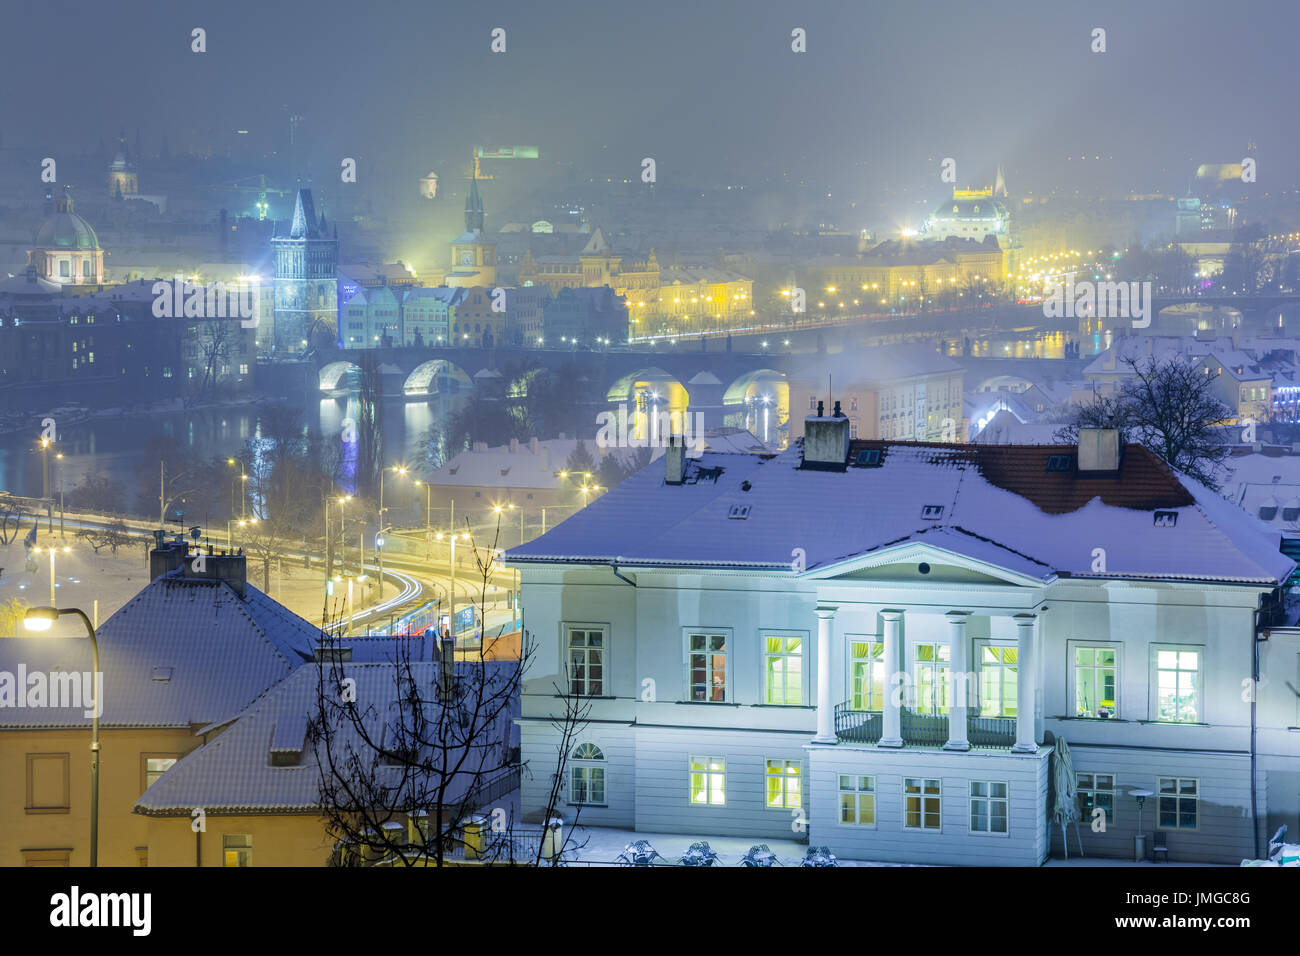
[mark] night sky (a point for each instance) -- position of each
(711, 90)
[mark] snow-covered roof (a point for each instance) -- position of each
(182, 652)
(985, 502)
(235, 772)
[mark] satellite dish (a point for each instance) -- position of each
(195, 533)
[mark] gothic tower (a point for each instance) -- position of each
(306, 281)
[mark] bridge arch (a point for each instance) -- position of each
(433, 376)
(651, 397)
(336, 376)
(759, 402)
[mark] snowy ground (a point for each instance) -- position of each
(601, 845)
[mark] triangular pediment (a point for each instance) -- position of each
(926, 563)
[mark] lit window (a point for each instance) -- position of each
(997, 681)
(783, 784)
(858, 801)
(932, 678)
(587, 775)
(1178, 682)
(1096, 679)
(709, 781)
(866, 675)
(237, 850)
(921, 804)
(1178, 806)
(988, 807)
(706, 667)
(783, 670)
(586, 662)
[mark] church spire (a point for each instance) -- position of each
(473, 208)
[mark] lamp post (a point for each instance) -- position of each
(451, 598)
(45, 477)
(59, 464)
(53, 551)
(41, 619)
(1140, 840)
(379, 538)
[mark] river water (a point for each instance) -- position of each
(117, 447)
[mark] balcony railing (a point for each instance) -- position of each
(923, 730)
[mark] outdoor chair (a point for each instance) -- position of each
(1160, 846)
(760, 854)
(699, 854)
(819, 856)
(638, 853)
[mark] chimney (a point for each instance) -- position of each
(532, 444)
(230, 568)
(826, 440)
(675, 460)
(165, 555)
(514, 446)
(1099, 452)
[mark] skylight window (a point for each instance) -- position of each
(868, 457)
(932, 512)
(1166, 519)
(738, 512)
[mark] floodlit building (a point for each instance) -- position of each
(876, 642)
(66, 250)
(306, 280)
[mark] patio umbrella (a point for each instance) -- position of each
(1066, 809)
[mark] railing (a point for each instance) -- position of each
(991, 733)
(924, 730)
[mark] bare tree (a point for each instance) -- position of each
(113, 536)
(11, 519)
(1170, 407)
(403, 772)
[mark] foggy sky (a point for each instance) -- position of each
(709, 89)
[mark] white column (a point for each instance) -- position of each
(825, 705)
(892, 725)
(1026, 682)
(958, 673)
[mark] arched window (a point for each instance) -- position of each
(587, 775)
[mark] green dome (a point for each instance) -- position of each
(970, 209)
(66, 230)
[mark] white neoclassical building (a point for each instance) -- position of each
(873, 643)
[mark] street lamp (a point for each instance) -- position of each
(379, 540)
(45, 476)
(42, 619)
(451, 598)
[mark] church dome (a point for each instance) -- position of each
(66, 230)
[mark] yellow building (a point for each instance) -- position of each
(654, 295)
(186, 653)
(260, 781)
(899, 274)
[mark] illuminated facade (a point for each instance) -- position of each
(970, 214)
(66, 249)
(653, 294)
(306, 281)
(473, 256)
(899, 274)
